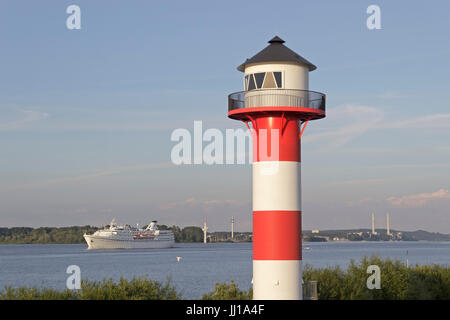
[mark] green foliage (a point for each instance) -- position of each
(355, 237)
(192, 234)
(187, 234)
(44, 235)
(176, 233)
(33, 293)
(224, 291)
(314, 239)
(135, 289)
(397, 281)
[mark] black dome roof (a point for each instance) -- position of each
(277, 51)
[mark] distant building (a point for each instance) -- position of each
(315, 231)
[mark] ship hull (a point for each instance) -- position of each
(98, 243)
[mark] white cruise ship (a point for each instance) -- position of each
(127, 237)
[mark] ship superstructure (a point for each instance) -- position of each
(127, 237)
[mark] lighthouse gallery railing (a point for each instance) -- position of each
(276, 98)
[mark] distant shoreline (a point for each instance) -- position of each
(194, 234)
(225, 242)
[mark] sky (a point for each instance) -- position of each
(86, 115)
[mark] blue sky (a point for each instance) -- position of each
(86, 115)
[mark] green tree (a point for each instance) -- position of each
(192, 234)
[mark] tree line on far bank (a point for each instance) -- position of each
(44, 235)
(74, 235)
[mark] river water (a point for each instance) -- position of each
(199, 268)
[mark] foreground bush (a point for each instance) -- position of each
(397, 281)
(224, 291)
(135, 289)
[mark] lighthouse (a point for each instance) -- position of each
(276, 105)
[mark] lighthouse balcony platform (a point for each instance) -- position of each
(304, 104)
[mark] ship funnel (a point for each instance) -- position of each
(113, 224)
(152, 226)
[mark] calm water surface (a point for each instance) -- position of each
(200, 267)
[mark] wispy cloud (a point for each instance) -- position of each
(203, 204)
(409, 166)
(91, 175)
(361, 181)
(346, 123)
(441, 120)
(355, 203)
(392, 95)
(418, 200)
(27, 117)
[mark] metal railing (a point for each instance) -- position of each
(276, 98)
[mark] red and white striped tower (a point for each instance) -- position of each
(276, 102)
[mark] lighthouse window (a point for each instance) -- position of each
(263, 80)
(269, 81)
(251, 83)
(278, 79)
(259, 78)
